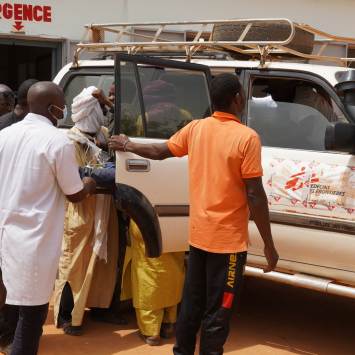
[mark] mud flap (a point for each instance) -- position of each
(132, 202)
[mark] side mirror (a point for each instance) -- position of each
(340, 137)
(345, 89)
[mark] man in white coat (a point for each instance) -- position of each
(38, 171)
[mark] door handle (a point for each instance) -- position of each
(137, 165)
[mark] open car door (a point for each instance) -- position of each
(154, 99)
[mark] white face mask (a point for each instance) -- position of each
(60, 121)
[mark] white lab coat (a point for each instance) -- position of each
(37, 169)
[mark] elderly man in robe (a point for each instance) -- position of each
(88, 267)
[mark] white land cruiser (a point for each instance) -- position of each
(309, 169)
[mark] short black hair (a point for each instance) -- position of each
(23, 90)
(223, 89)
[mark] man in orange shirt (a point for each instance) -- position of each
(225, 186)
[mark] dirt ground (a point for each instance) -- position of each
(272, 319)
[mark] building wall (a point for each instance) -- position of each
(68, 17)
(326, 15)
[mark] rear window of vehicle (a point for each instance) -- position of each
(80, 82)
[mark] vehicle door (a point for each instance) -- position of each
(154, 99)
(310, 191)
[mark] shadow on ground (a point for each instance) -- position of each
(272, 319)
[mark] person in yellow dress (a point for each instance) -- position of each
(155, 284)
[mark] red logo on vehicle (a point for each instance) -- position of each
(312, 205)
(277, 199)
(331, 208)
(350, 211)
(294, 201)
(296, 184)
(269, 182)
(352, 168)
(304, 203)
(298, 162)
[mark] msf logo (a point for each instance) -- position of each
(296, 183)
(231, 271)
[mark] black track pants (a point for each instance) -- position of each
(211, 293)
(9, 315)
(29, 329)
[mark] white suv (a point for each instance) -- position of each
(311, 190)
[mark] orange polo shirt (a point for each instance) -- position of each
(222, 152)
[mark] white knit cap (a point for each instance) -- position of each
(87, 113)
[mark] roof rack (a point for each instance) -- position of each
(171, 55)
(255, 50)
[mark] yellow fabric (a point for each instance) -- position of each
(92, 281)
(153, 283)
(184, 115)
(149, 322)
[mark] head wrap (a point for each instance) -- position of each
(159, 91)
(87, 113)
(163, 114)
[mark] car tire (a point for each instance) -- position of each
(303, 41)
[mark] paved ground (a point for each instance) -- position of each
(272, 319)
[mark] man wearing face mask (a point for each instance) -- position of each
(42, 162)
(88, 267)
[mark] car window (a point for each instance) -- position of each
(291, 113)
(130, 105)
(172, 98)
(338, 112)
(78, 83)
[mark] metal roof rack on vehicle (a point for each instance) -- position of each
(239, 47)
(172, 55)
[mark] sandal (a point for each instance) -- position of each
(111, 317)
(6, 349)
(70, 329)
(148, 339)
